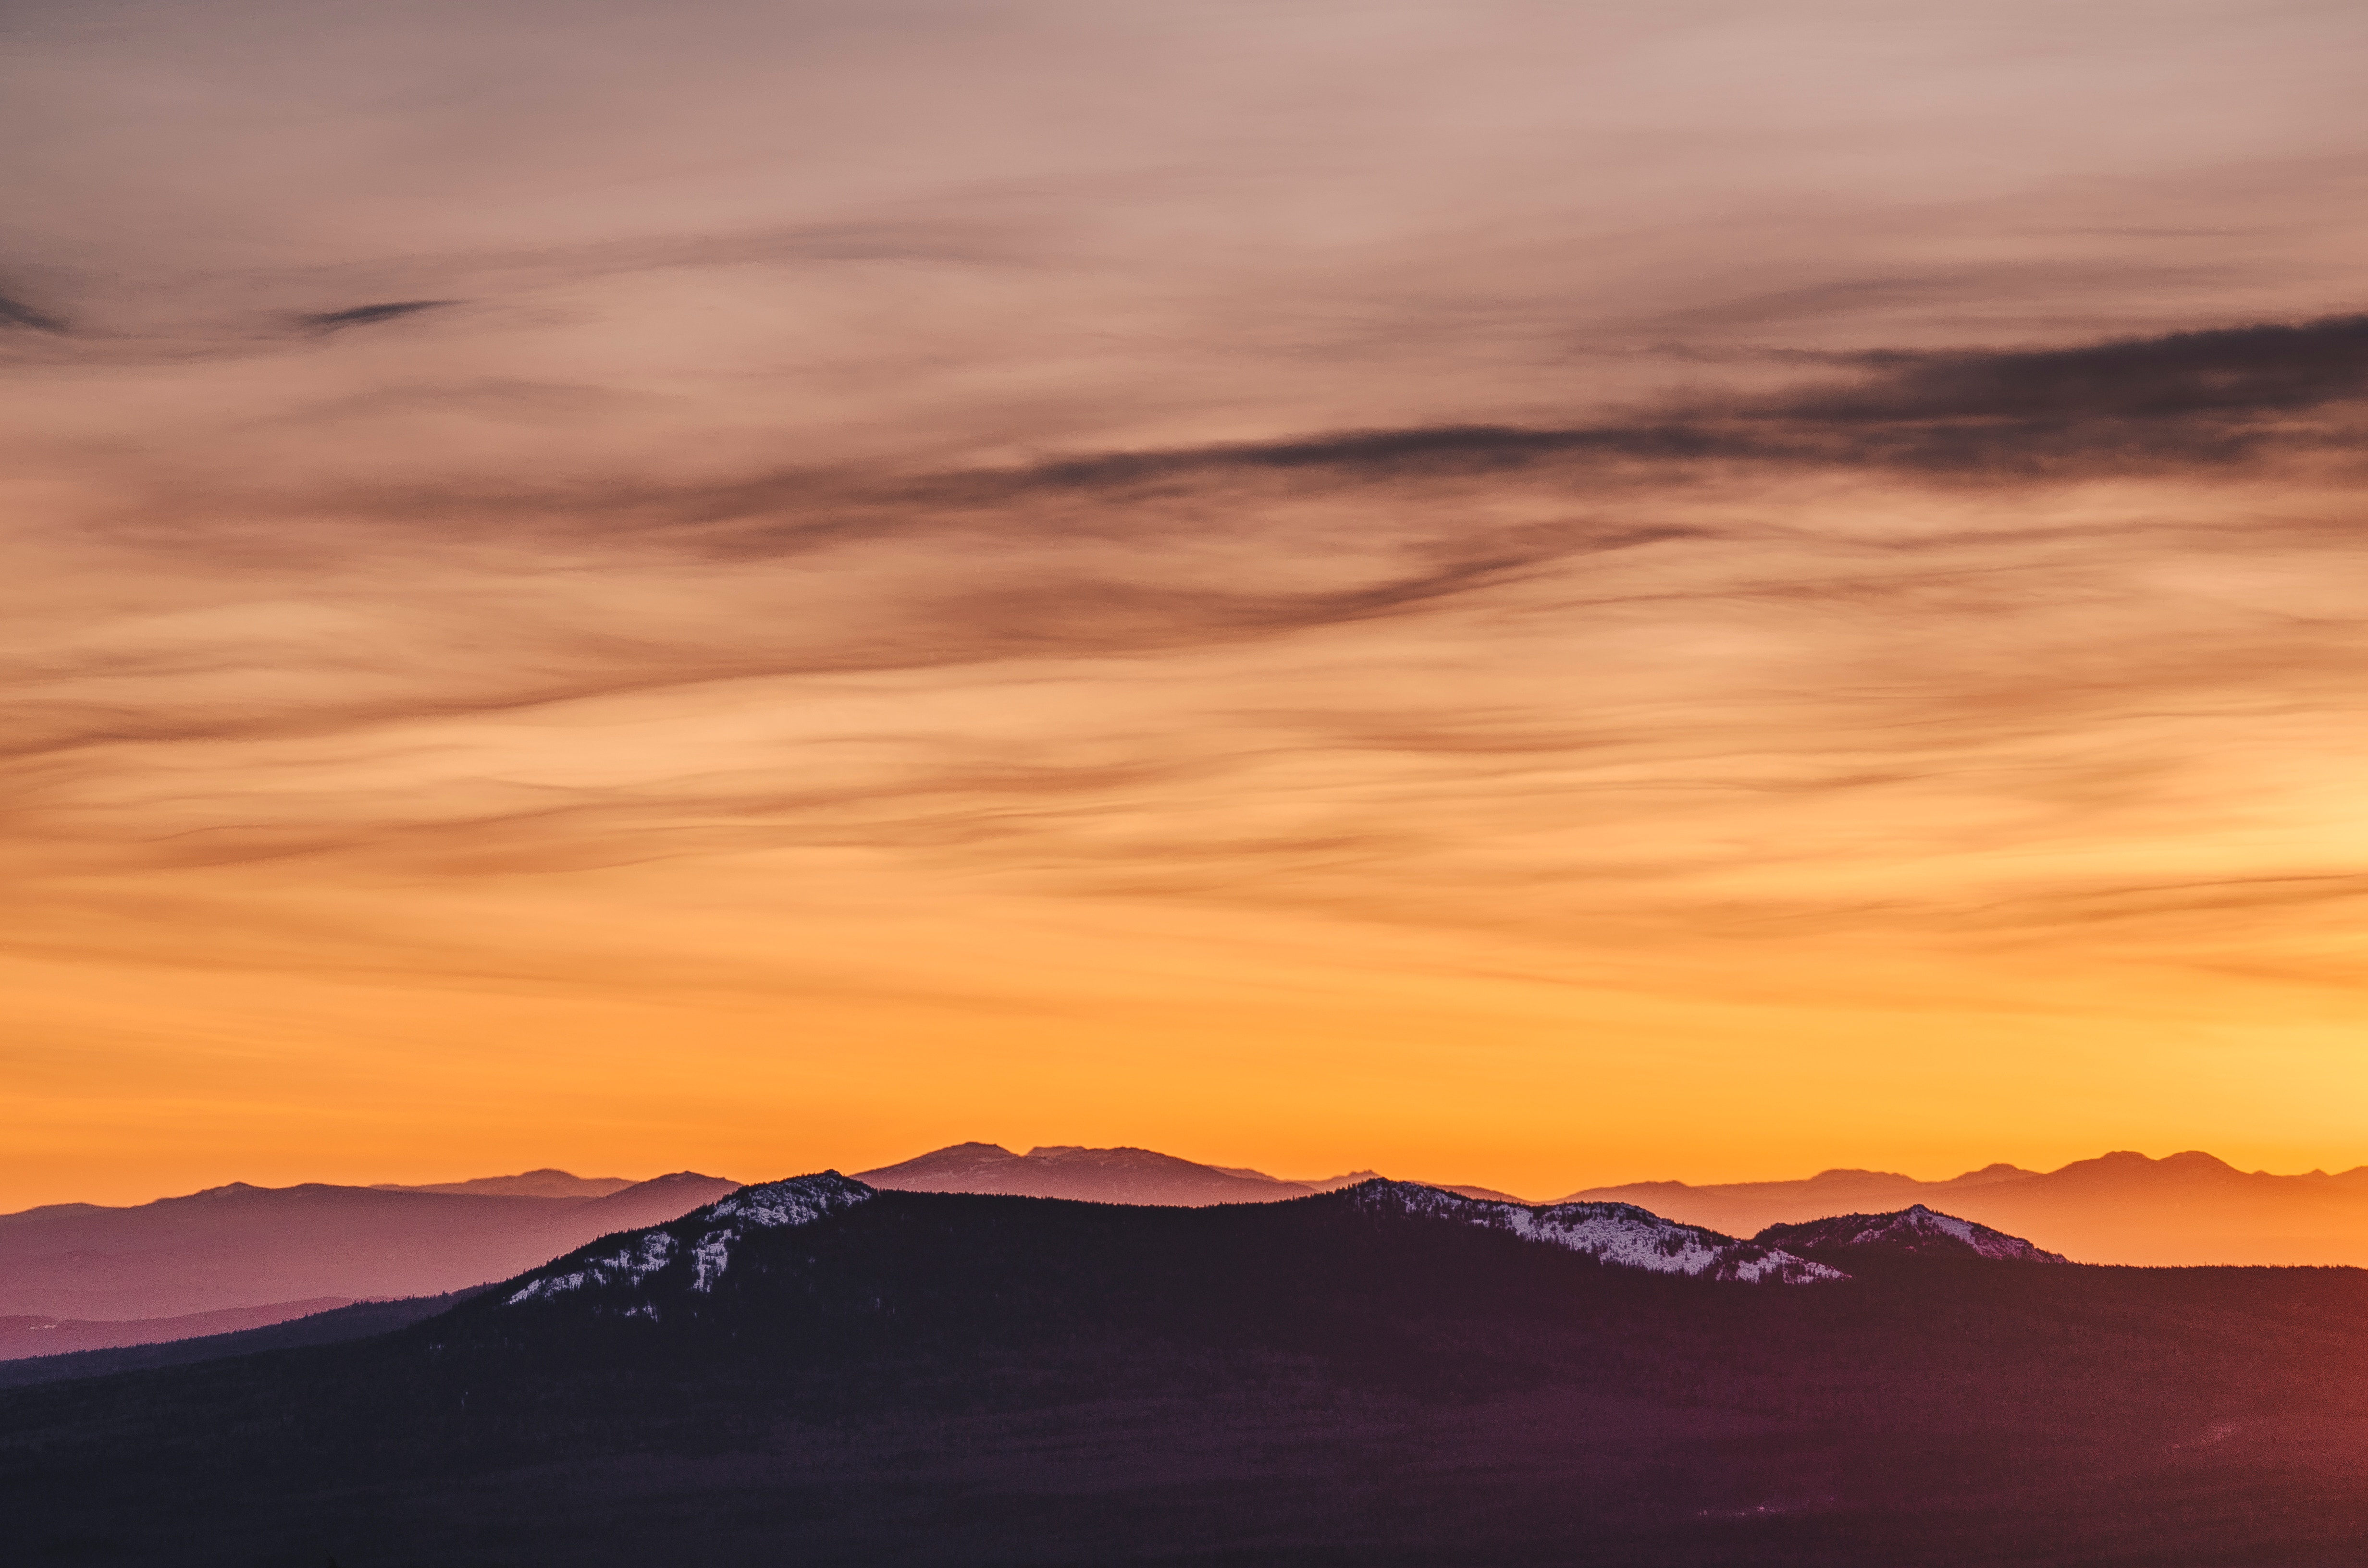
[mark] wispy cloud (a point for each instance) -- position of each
(326, 321)
(16, 313)
(1092, 512)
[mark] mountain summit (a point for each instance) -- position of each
(1088, 1176)
(1916, 1229)
(1110, 1175)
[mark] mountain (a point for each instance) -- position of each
(1616, 1234)
(667, 1269)
(2183, 1209)
(526, 1184)
(41, 1334)
(1745, 1208)
(1914, 1231)
(1106, 1175)
(1380, 1375)
(240, 1245)
(1092, 1176)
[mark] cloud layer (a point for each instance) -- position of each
(1025, 546)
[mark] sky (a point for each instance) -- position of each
(1541, 595)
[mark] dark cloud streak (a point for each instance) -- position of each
(16, 313)
(327, 321)
(2189, 398)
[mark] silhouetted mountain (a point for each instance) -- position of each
(360, 1320)
(2183, 1209)
(1488, 1193)
(1615, 1233)
(1915, 1230)
(1743, 1207)
(239, 1245)
(813, 1371)
(1092, 1175)
(2125, 1207)
(1109, 1175)
(543, 1183)
(670, 1269)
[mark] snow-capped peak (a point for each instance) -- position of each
(705, 1237)
(1915, 1229)
(1617, 1233)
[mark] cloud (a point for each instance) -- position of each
(2232, 373)
(2184, 399)
(1751, 666)
(370, 315)
(18, 314)
(2222, 399)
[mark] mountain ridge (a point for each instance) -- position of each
(1345, 1380)
(237, 1245)
(697, 1251)
(546, 1182)
(2186, 1209)
(1913, 1230)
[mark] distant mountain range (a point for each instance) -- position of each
(1782, 1199)
(240, 1246)
(2188, 1208)
(2120, 1208)
(1383, 1373)
(82, 1275)
(545, 1182)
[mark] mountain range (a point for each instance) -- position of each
(242, 1246)
(1109, 1175)
(819, 1371)
(543, 1183)
(85, 1276)
(2186, 1209)
(2120, 1208)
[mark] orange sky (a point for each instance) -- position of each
(847, 620)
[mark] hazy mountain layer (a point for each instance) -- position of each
(1111, 1176)
(543, 1183)
(2183, 1209)
(240, 1245)
(1094, 1175)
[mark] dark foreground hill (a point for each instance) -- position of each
(921, 1378)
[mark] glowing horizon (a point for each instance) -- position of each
(1528, 595)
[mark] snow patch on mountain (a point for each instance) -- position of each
(1618, 1234)
(1915, 1229)
(638, 1257)
(707, 1236)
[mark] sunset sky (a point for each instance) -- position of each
(1536, 594)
